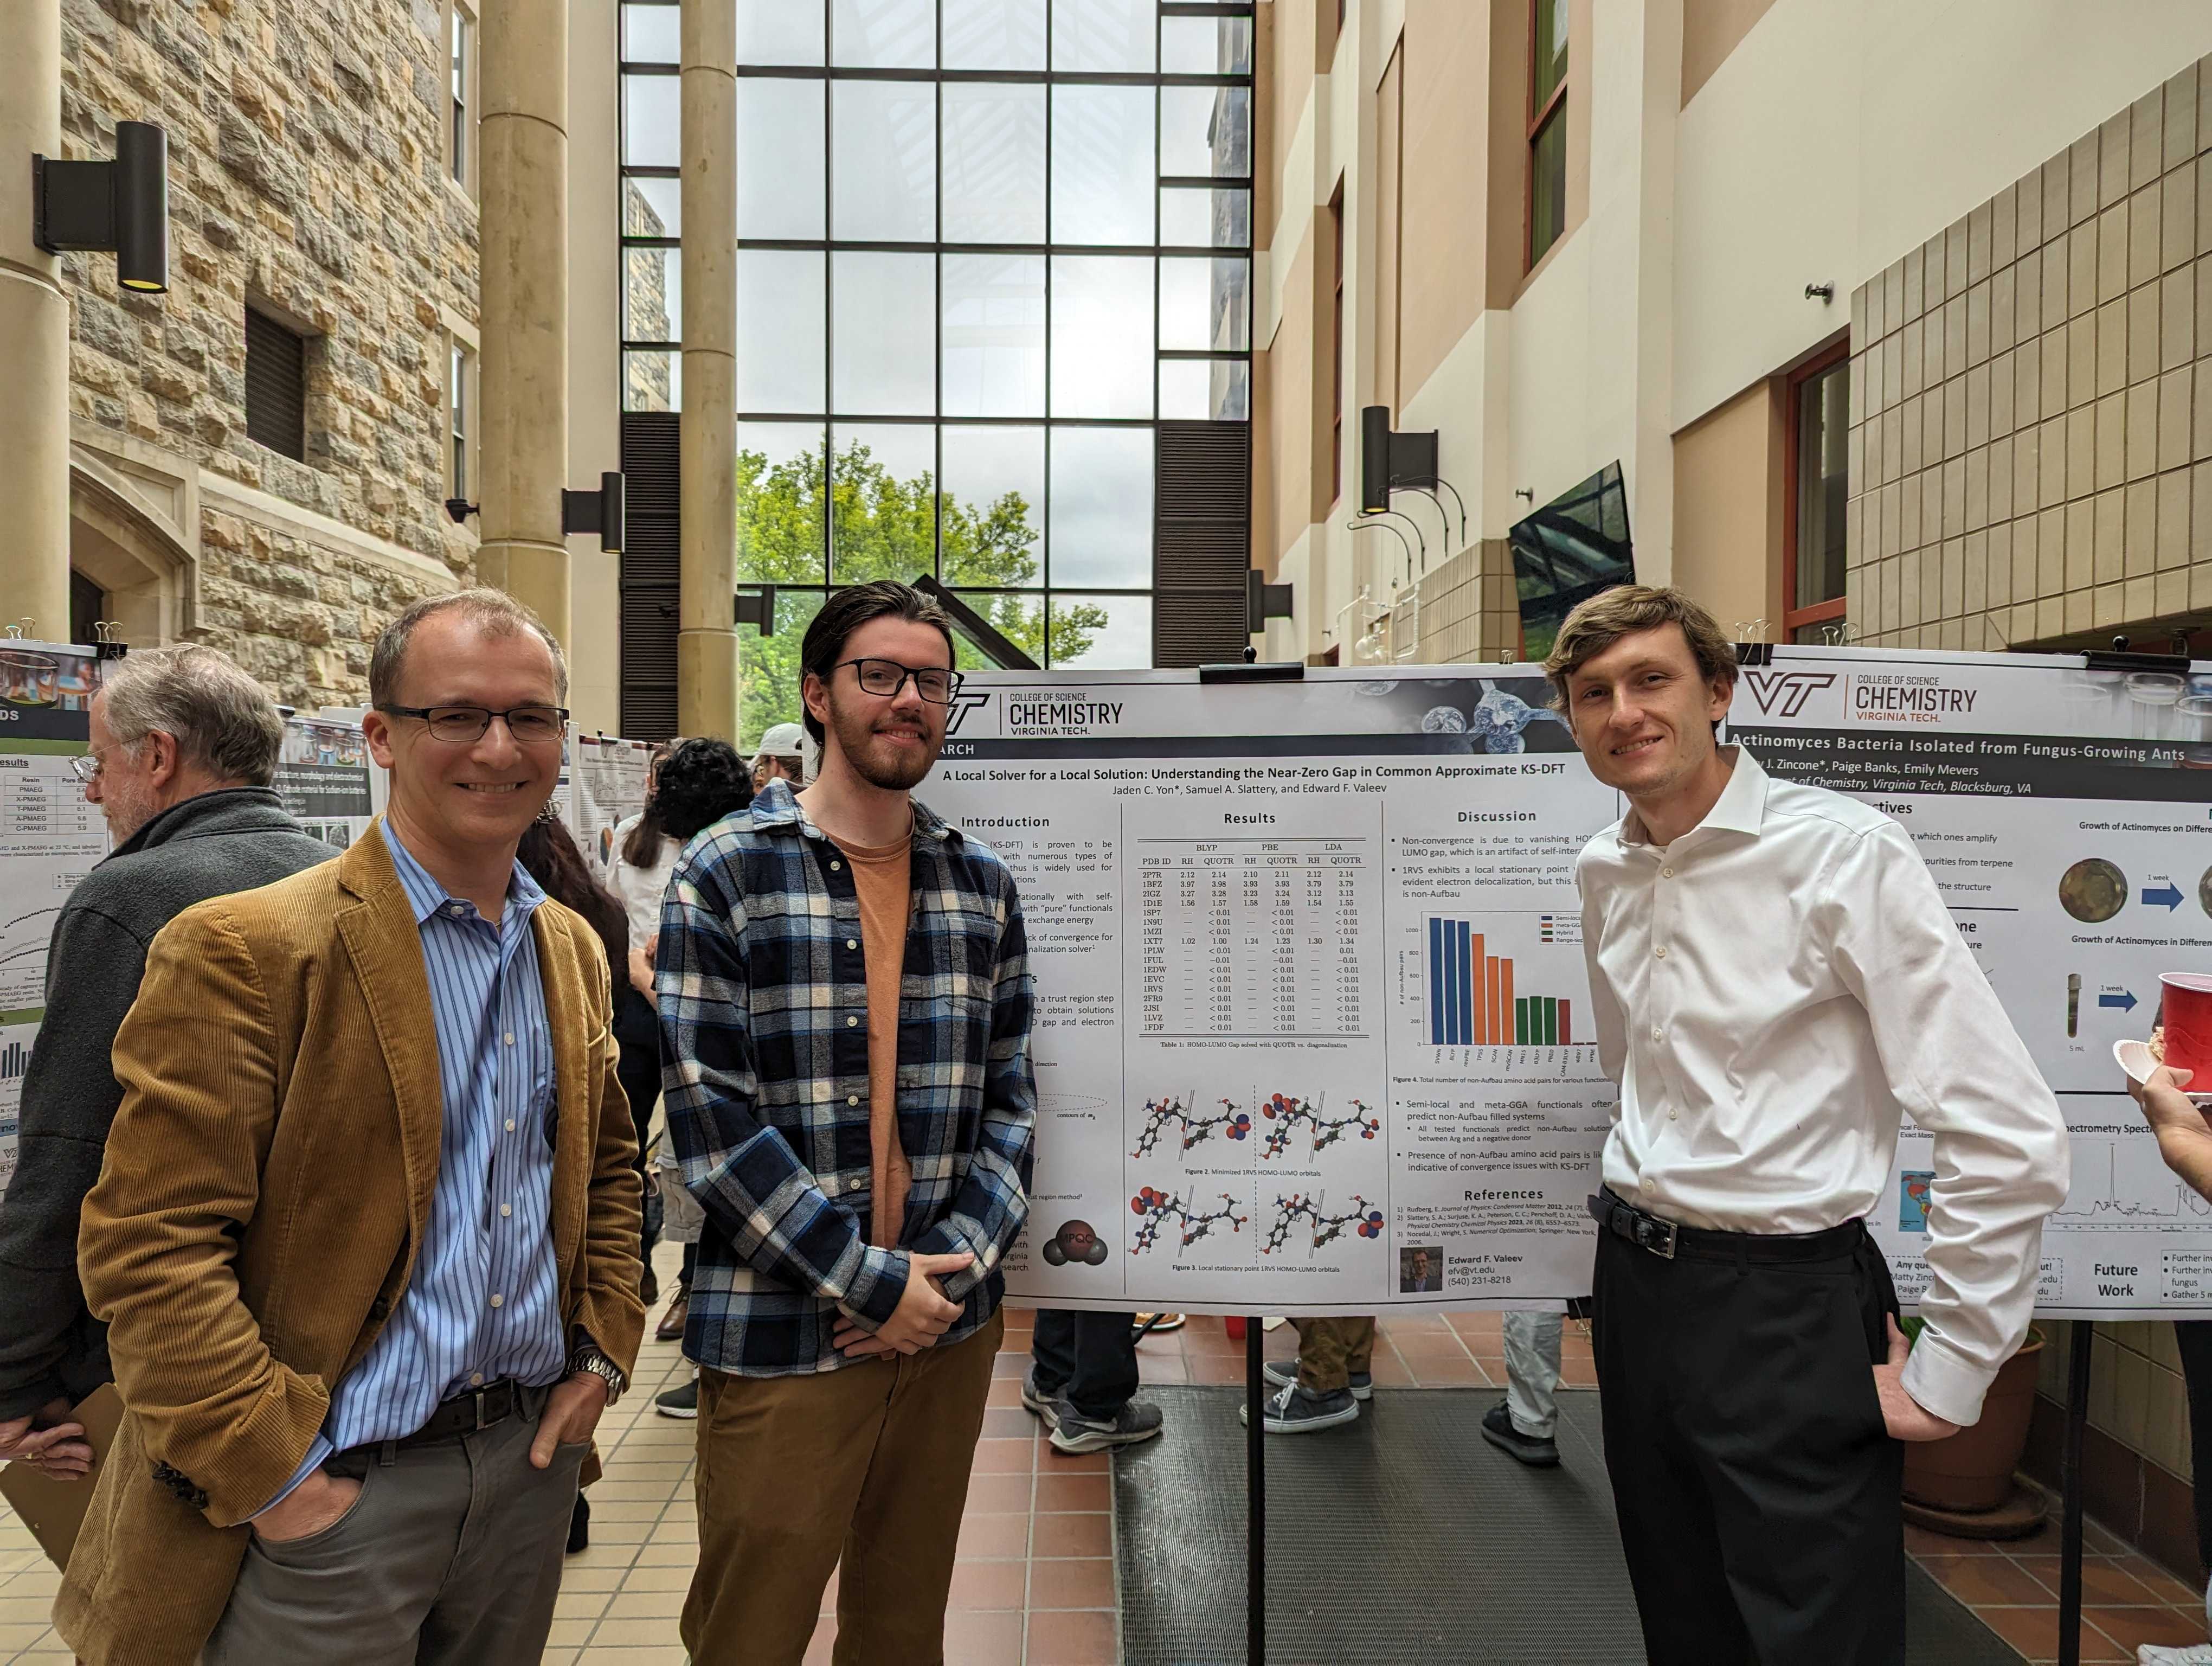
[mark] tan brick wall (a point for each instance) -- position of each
(2031, 453)
(1468, 610)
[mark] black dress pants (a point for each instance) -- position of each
(1088, 1360)
(1756, 1485)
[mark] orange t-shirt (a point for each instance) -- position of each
(884, 878)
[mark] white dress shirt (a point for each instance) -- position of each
(1769, 991)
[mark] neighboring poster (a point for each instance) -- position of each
(50, 838)
(2066, 815)
(323, 776)
(607, 784)
(1312, 1029)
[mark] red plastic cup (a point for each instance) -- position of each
(2189, 1023)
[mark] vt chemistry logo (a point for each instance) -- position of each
(962, 705)
(1783, 693)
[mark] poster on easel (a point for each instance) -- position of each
(606, 786)
(50, 838)
(323, 777)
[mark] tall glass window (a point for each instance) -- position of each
(985, 248)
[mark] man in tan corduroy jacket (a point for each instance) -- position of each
(273, 1203)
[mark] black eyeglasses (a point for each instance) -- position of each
(531, 726)
(887, 677)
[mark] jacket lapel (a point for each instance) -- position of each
(579, 1033)
(386, 946)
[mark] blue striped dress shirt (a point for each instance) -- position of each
(483, 1301)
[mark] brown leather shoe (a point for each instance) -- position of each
(671, 1327)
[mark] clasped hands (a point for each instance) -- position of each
(47, 1441)
(924, 1313)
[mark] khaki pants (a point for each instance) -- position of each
(867, 1465)
(1330, 1350)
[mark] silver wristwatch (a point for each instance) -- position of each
(587, 1358)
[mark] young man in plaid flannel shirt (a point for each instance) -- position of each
(845, 1001)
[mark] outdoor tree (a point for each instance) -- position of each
(883, 531)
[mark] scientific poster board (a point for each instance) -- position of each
(50, 838)
(606, 784)
(323, 776)
(1312, 1032)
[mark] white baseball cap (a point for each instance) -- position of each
(782, 741)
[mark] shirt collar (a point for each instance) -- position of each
(776, 808)
(1740, 808)
(427, 897)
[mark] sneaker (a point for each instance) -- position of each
(1044, 1405)
(1073, 1433)
(1498, 1429)
(1292, 1410)
(679, 1402)
(1283, 1372)
(2161, 1654)
(1152, 1323)
(671, 1327)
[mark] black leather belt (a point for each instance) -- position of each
(1668, 1239)
(464, 1413)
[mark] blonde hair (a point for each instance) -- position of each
(1605, 617)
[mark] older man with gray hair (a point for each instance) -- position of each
(184, 745)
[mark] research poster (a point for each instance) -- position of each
(323, 777)
(1312, 1032)
(2066, 814)
(50, 838)
(606, 783)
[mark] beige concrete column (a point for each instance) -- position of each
(34, 327)
(522, 176)
(706, 637)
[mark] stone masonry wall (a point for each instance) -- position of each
(306, 169)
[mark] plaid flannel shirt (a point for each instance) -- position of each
(764, 1047)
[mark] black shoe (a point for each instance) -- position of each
(1073, 1433)
(1498, 1429)
(1292, 1410)
(580, 1525)
(1283, 1372)
(679, 1402)
(649, 1286)
(1036, 1399)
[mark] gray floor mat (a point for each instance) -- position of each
(1405, 1538)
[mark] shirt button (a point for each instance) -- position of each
(852, 1098)
(1657, 1034)
(851, 944)
(505, 1210)
(1661, 951)
(509, 1038)
(510, 1125)
(457, 910)
(1666, 872)
(1673, 1115)
(475, 1379)
(497, 1300)
(855, 1183)
(849, 1022)
(836, 868)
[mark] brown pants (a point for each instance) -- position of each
(867, 1464)
(1330, 1350)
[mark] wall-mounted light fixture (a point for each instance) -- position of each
(1823, 293)
(1401, 462)
(458, 509)
(757, 607)
(603, 511)
(1263, 601)
(122, 205)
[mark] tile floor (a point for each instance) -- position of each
(1034, 1584)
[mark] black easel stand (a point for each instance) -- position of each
(2069, 1541)
(1255, 1494)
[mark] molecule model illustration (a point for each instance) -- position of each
(1155, 1208)
(1287, 1112)
(1363, 1218)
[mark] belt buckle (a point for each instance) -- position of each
(1655, 1236)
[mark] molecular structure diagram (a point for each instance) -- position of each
(1286, 1113)
(1363, 1218)
(1499, 718)
(1158, 1113)
(1158, 1208)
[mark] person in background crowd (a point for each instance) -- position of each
(183, 747)
(782, 756)
(366, 1236)
(1324, 1385)
(1775, 981)
(1082, 1381)
(637, 873)
(846, 1001)
(1525, 1422)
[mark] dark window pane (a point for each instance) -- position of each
(652, 207)
(1196, 218)
(781, 528)
(883, 502)
(1551, 49)
(780, 322)
(883, 35)
(1828, 633)
(993, 506)
(767, 667)
(1547, 192)
(652, 381)
(994, 335)
(1205, 390)
(1102, 165)
(1205, 46)
(276, 385)
(994, 183)
(1101, 336)
(885, 145)
(1102, 507)
(1205, 306)
(1020, 619)
(1112, 36)
(650, 120)
(994, 34)
(650, 35)
(779, 31)
(780, 177)
(1205, 131)
(884, 316)
(653, 295)
(1823, 411)
(1103, 633)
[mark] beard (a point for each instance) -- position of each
(875, 763)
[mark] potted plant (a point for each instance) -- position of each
(1970, 1475)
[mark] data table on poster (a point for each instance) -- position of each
(1251, 938)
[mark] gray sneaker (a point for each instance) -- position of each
(1044, 1405)
(1283, 1372)
(1538, 1452)
(1292, 1411)
(1074, 1432)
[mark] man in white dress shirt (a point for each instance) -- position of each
(1774, 980)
